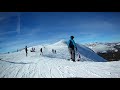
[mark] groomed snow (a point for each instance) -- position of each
(17, 65)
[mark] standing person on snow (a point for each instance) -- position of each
(71, 47)
(55, 51)
(26, 50)
(52, 50)
(41, 53)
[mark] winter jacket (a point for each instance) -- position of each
(72, 42)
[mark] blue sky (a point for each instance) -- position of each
(33, 28)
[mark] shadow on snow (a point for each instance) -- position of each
(16, 62)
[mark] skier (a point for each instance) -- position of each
(71, 47)
(26, 50)
(41, 53)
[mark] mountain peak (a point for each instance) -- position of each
(61, 42)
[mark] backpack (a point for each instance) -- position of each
(71, 44)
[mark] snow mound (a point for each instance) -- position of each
(89, 53)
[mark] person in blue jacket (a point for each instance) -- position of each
(71, 47)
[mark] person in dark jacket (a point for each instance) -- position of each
(41, 52)
(55, 51)
(26, 50)
(71, 47)
(52, 50)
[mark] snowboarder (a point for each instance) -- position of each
(26, 50)
(71, 47)
(41, 53)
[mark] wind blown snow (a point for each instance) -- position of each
(50, 65)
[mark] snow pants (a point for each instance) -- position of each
(72, 53)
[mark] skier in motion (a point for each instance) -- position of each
(71, 47)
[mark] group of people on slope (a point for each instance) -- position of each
(71, 47)
(33, 50)
(41, 51)
(53, 51)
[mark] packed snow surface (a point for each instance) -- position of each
(50, 65)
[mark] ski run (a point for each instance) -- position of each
(51, 65)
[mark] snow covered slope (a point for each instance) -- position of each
(86, 53)
(17, 65)
(89, 54)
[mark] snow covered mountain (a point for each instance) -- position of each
(62, 52)
(52, 65)
(103, 47)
